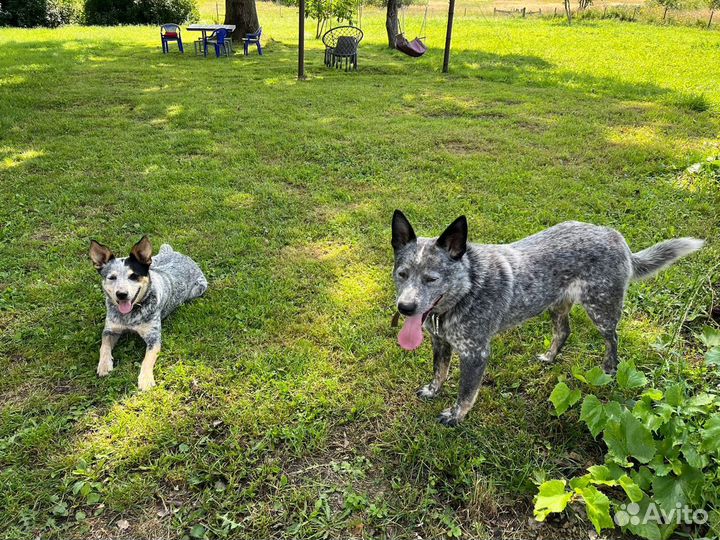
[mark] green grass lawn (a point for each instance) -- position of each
(284, 407)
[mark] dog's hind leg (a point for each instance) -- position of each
(442, 351)
(605, 310)
(559, 314)
(472, 367)
(105, 365)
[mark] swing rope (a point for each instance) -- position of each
(401, 29)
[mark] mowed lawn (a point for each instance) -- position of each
(284, 406)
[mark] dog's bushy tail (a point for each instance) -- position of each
(649, 261)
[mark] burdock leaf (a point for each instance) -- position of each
(551, 497)
(593, 414)
(563, 398)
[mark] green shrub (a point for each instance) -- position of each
(107, 12)
(663, 453)
(30, 13)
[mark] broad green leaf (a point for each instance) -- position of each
(645, 528)
(675, 395)
(580, 481)
(596, 377)
(710, 337)
(671, 490)
(579, 374)
(712, 356)
(600, 475)
(711, 434)
(563, 398)
(643, 477)
(613, 410)
(649, 530)
(693, 457)
(597, 506)
(660, 466)
(600, 472)
(629, 377)
(643, 411)
(593, 414)
(627, 437)
(632, 490)
(551, 498)
(653, 393)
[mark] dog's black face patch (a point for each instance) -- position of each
(136, 266)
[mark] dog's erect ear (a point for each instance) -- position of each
(454, 239)
(142, 251)
(402, 231)
(99, 254)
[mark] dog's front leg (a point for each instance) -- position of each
(146, 379)
(472, 367)
(109, 339)
(442, 351)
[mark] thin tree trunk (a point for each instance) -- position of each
(391, 22)
(712, 12)
(243, 14)
(665, 13)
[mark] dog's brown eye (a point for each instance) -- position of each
(112, 278)
(133, 276)
(403, 274)
(429, 279)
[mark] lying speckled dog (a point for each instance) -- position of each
(140, 291)
(463, 293)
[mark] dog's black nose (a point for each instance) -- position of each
(407, 308)
(121, 295)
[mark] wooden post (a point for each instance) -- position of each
(448, 36)
(301, 41)
(523, 13)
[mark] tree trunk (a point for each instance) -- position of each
(391, 22)
(665, 13)
(712, 12)
(243, 15)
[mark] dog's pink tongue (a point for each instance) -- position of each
(411, 335)
(125, 307)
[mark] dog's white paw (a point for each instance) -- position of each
(450, 417)
(545, 358)
(105, 366)
(427, 392)
(146, 381)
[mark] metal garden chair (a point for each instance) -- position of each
(341, 43)
(168, 34)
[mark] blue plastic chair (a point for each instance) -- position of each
(253, 39)
(219, 39)
(169, 33)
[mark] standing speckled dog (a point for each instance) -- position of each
(463, 294)
(140, 291)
